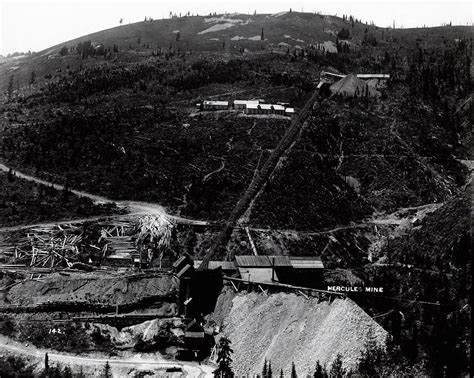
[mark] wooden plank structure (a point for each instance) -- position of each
(120, 248)
(241, 284)
(221, 240)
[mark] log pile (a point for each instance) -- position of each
(119, 245)
(154, 233)
(6, 249)
(48, 247)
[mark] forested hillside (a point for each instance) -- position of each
(428, 271)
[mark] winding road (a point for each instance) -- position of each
(135, 362)
(133, 207)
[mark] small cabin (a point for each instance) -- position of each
(294, 270)
(215, 105)
(265, 269)
(194, 337)
(242, 104)
(227, 267)
(289, 111)
(265, 109)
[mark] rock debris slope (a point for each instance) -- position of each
(90, 288)
(286, 328)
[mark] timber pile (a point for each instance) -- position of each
(119, 243)
(48, 247)
(154, 233)
(6, 249)
(155, 229)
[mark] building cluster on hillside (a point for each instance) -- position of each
(248, 106)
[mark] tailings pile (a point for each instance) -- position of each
(285, 328)
(91, 288)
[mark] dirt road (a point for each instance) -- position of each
(134, 363)
(133, 207)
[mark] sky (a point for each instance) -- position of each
(38, 24)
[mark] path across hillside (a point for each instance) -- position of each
(133, 207)
(192, 369)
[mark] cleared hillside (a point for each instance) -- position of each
(23, 202)
(224, 35)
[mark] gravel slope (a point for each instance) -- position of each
(286, 328)
(93, 288)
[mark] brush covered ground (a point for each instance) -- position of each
(137, 124)
(24, 202)
(426, 275)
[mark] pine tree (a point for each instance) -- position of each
(67, 372)
(336, 370)
(81, 373)
(318, 372)
(56, 372)
(11, 178)
(65, 192)
(224, 359)
(281, 373)
(293, 371)
(46, 362)
(107, 370)
(10, 87)
(264, 370)
(269, 371)
(262, 37)
(33, 78)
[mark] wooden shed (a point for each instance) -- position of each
(265, 109)
(215, 105)
(300, 270)
(194, 337)
(264, 269)
(228, 267)
(242, 104)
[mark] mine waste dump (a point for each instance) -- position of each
(92, 290)
(285, 328)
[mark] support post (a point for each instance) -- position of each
(273, 269)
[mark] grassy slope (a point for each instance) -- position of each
(303, 29)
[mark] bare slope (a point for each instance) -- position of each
(223, 34)
(286, 328)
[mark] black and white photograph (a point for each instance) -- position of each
(236, 189)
